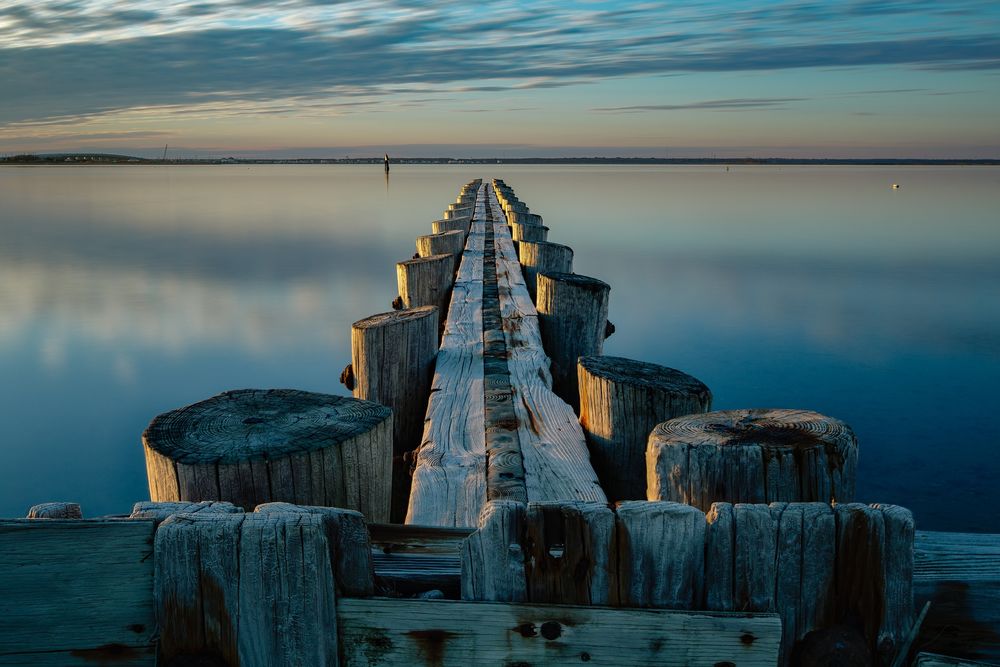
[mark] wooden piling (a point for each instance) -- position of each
(621, 401)
(543, 257)
(426, 281)
(55, 511)
(522, 218)
(392, 357)
(459, 212)
(573, 316)
(254, 446)
(446, 243)
(524, 232)
(751, 456)
(453, 224)
(246, 589)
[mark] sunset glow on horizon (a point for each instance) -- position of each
(303, 78)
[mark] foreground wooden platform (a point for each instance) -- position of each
(86, 591)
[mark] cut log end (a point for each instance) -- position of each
(248, 424)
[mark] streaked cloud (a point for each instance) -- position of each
(724, 105)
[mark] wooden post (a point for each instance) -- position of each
(392, 357)
(246, 589)
(55, 511)
(661, 555)
(459, 212)
(534, 233)
(621, 401)
(751, 456)
(569, 553)
(454, 224)
(875, 573)
(493, 556)
(446, 243)
(543, 257)
(426, 281)
(573, 316)
(253, 446)
(161, 511)
(522, 218)
(350, 545)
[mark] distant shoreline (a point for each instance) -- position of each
(71, 159)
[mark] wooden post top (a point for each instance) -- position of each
(765, 428)
(251, 424)
(395, 316)
(577, 280)
(641, 373)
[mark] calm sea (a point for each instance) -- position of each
(128, 291)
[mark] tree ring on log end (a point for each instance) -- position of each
(752, 456)
(252, 424)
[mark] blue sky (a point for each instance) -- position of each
(865, 78)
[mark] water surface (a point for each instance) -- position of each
(127, 291)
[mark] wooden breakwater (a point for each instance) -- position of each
(734, 538)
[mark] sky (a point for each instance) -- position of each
(315, 78)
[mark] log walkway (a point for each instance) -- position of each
(494, 430)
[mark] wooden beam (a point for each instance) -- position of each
(445, 632)
(449, 479)
(960, 574)
(76, 592)
(556, 460)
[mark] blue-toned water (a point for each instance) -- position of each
(127, 291)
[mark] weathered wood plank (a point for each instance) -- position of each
(445, 633)
(960, 574)
(410, 560)
(556, 461)
(77, 586)
(112, 654)
(449, 478)
(934, 660)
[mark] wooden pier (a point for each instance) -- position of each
(480, 401)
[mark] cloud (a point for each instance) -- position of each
(727, 105)
(60, 59)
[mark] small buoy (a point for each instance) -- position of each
(895, 186)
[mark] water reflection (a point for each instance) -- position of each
(125, 292)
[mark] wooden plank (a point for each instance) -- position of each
(112, 654)
(410, 560)
(445, 633)
(449, 479)
(553, 447)
(935, 660)
(77, 586)
(960, 574)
